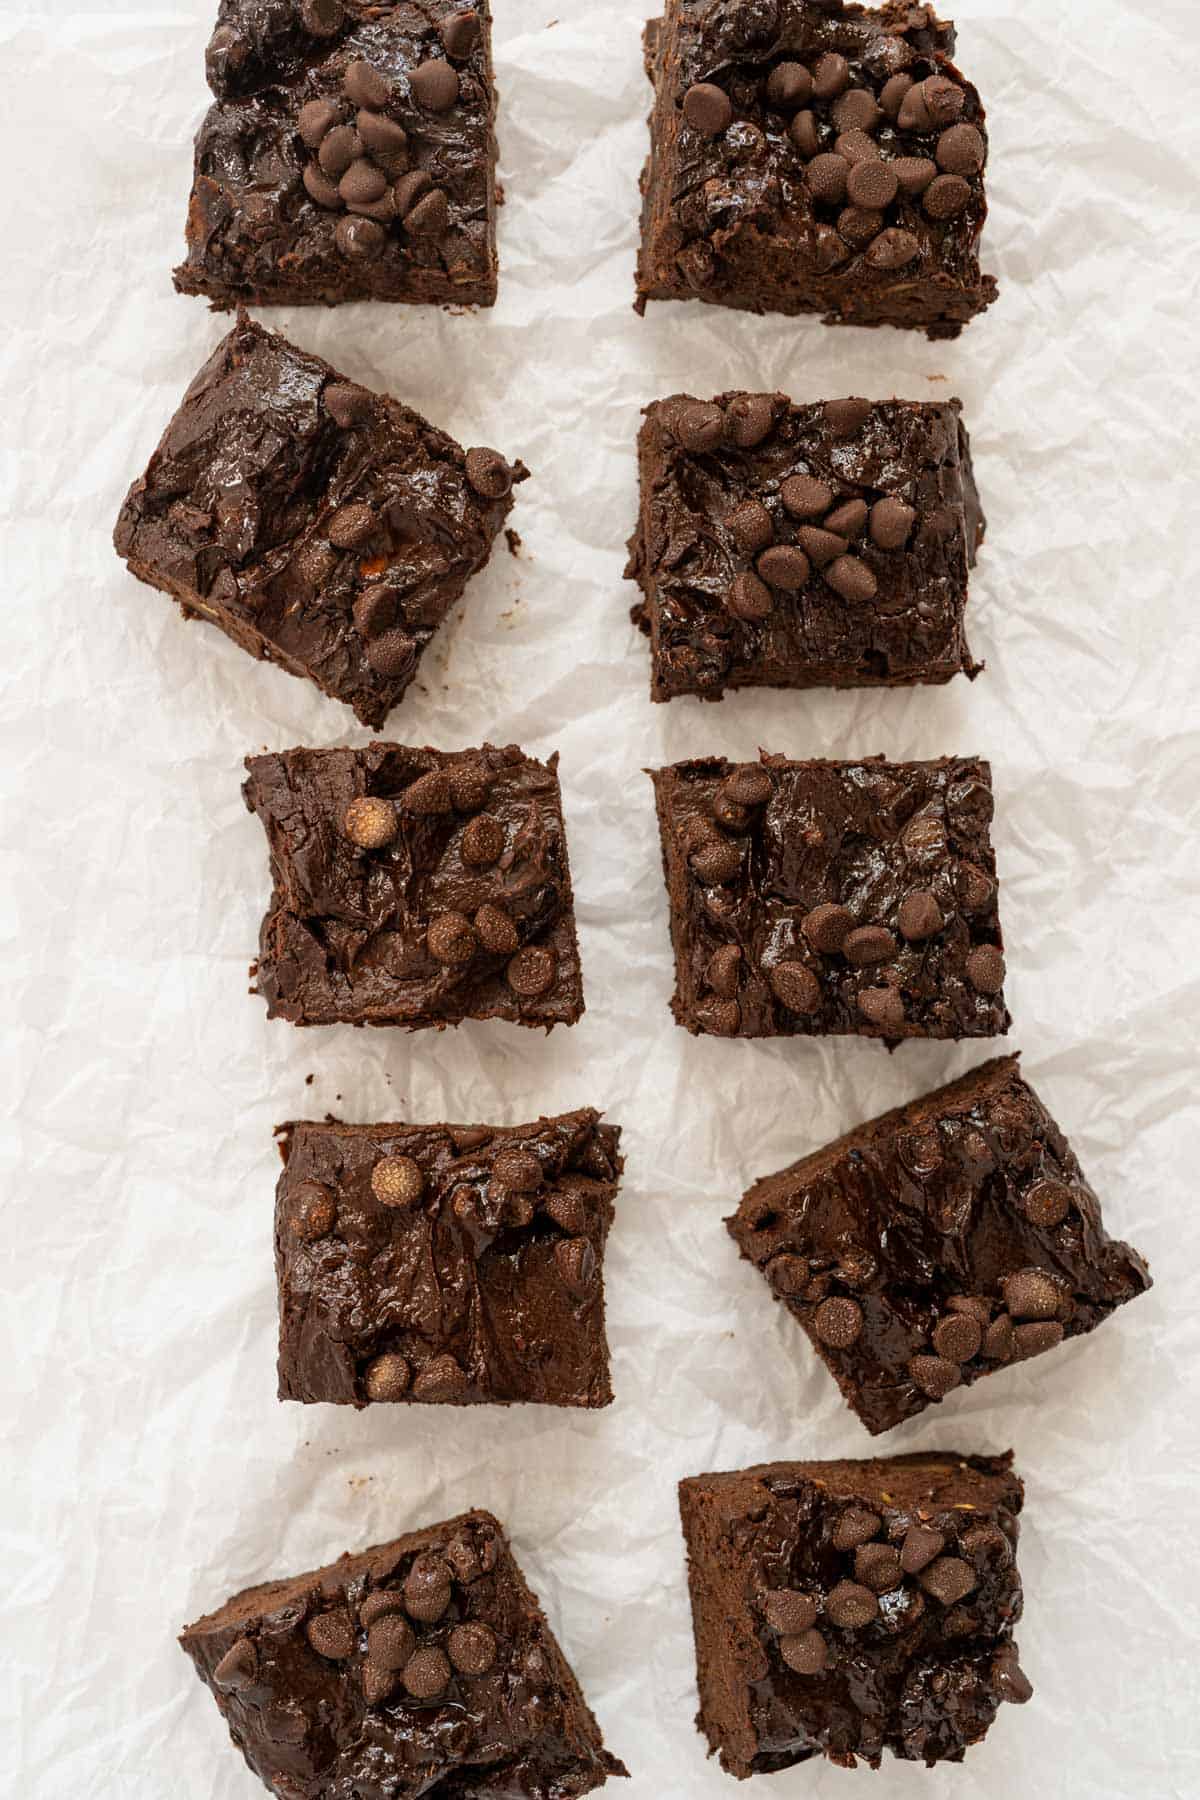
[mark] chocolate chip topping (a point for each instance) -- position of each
(1009, 1680)
(707, 109)
(872, 184)
(914, 173)
(427, 1588)
(488, 472)
(496, 931)
(785, 567)
(700, 427)
(531, 971)
(882, 1007)
(985, 969)
(322, 18)
(946, 196)
(451, 939)
(238, 1667)
(852, 579)
(957, 1338)
(1046, 1203)
(795, 987)
(383, 136)
(387, 1378)
(377, 1684)
(427, 1674)
(749, 598)
(827, 927)
(855, 1526)
(370, 822)
(331, 1634)
(805, 497)
(428, 794)
(789, 85)
(919, 916)
(867, 945)
(1031, 1294)
(390, 1638)
(851, 1605)
(749, 420)
(790, 1612)
(806, 1654)
(313, 1212)
(575, 1261)
(838, 1322)
(845, 418)
(315, 120)
(375, 611)
(472, 1648)
(391, 653)
(998, 1340)
(827, 178)
(483, 841)
(1038, 1335)
(935, 1375)
(921, 1544)
(849, 520)
(949, 1579)
(822, 547)
(803, 133)
(397, 1181)
(831, 76)
(877, 1566)
(751, 527)
(365, 86)
(435, 85)
(460, 33)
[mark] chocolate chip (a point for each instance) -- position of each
(483, 842)
(831, 76)
(826, 927)
(973, 1305)
(893, 92)
(748, 598)
(821, 547)
(749, 419)
(370, 822)
(460, 33)
(998, 1339)
(409, 190)
(944, 100)
(919, 916)
(749, 785)
(313, 1213)
(377, 1683)
(451, 940)
(856, 110)
(882, 1007)
(397, 1181)
(827, 177)
(390, 1639)
(805, 497)
(891, 522)
(430, 216)
(351, 526)
(751, 527)
(851, 1605)
(322, 18)
(957, 1338)
(531, 971)
(789, 85)
(332, 1635)
(716, 861)
(845, 418)
(985, 969)
(365, 86)
(795, 987)
(785, 567)
(859, 227)
(867, 945)
(359, 239)
(838, 1322)
(920, 1546)
(575, 1261)
(960, 150)
(728, 814)
(427, 1588)
(707, 109)
(724, 967)
(435, 85)
(946, 196)
(852, 579)
(974, 888)
(1037, 1336)
(536, 1667)
(568, 1211)
(362, 182)
(806, 1654)
(934, 1375)
(877, 1566)
(853, 1527)
(914, 173)
(1009, 1680)
(719, 1018)
(893, 249)
(387, 1378)
(949, 1579)
(1046, 1203)
(787, 1274)
(321, 189)
(472, 1648)
(428, 794)
(427, 1674)
(856, 147)
(1031, 1294)
(804, 135)
(339, 148)
(315, 120)
(238, 1667)
(848, 520)
(381, 135)
(700, 427)
(913, 114)
(391, 654)
(789, 1612)
(987, 1546)
(374, 611)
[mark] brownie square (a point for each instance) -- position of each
(350, 155)
(845, 1608)
(937, 1244)
(415, 887)
(320, 526)
(807, 157)
(833, 898)
(803, 546)
(451, 1263)
(420, 1665)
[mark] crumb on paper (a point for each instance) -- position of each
(513, 540)
(309, 1078)
(356, 1482)
(510, 616)
(935, 378)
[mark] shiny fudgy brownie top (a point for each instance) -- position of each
(445, 1263)
(422, 1664)
(415, 887)
(818, 898)
(803, 546)
(350, 155)
(939, 1243)
(846, 1608)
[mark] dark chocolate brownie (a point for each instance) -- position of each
(807, 156)
(819, 898)
(320, 526)
(424, 1664)
(937, 1244)
(452, 1263)
(803, 546)
(845, 1608)
(350, 155)
(415, 887)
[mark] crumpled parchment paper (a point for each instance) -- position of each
(149, 1470)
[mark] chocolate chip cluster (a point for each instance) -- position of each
(866, 149)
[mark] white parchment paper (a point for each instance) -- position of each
(149, 1470)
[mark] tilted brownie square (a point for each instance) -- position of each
(847, 1608)
(937, 1244)
(833, 898)
(810, 157)
(421, 1665)
(803, 546)
(350, 155)
(320, 526)
(452, 1263)
(415, 887)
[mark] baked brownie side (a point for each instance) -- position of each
(445, 1263)
(833, 898)
(810, 158)
(420, 1664)
(415, 887)
(803, 546)
(320, 526)
(937, 1244)
(846, 1608)
(350, 155)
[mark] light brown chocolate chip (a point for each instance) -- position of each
(435, 85)
(532, 971)
(387, 1378)
(397, 1181)
(427, 1674)
(331, 1634)
(851, 1605)
(838, 1322)
(805, 1654)
(451, 940)
(390, 1637)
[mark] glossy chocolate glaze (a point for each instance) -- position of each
(305, 1724)
(472, 1271)
(254, 233)
(730, 220)
(863, 835)
(344, 938)
(922, 1207)
(685, 555)
(922, 1678)
(233, 517)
